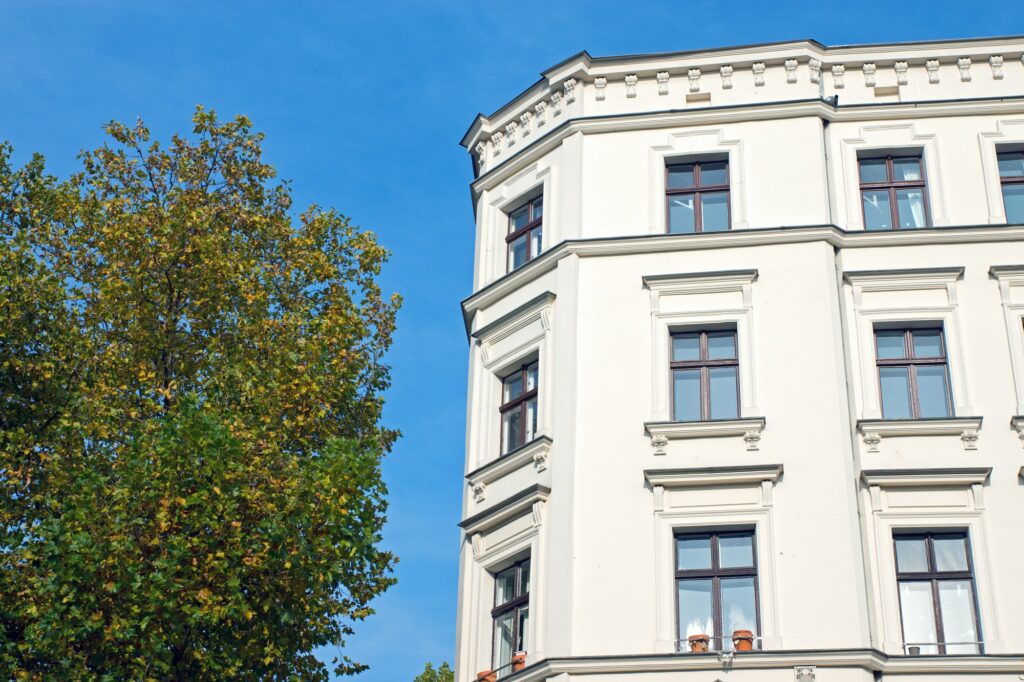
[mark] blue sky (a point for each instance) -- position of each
(363, 104)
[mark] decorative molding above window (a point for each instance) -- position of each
(508, 508)
(535, 452)
(705, 476)
(662, 432)
(873, 430)
(926, 478)
(1017, 423)
(515, 320)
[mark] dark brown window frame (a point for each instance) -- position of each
(892, 185)
(532, 223)
(704, 364)
(513, 605)
(696, 190)
(519, 402)
(935, 577)
(1005, 180)
(912, 363)
(716, 573)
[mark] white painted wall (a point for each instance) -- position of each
(600, 535)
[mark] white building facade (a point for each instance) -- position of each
(747, 369)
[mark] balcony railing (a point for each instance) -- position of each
(917, 648)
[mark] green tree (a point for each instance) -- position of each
(190, 402)
(443, 673)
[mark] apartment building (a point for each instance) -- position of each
(746, 368)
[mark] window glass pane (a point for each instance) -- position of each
(721, 345)
(504, 586)
(715, 173)
(956, 603)
(714, 209)
(512, 438)
(876, 210)
(503, 639)
(524, 627)
(889, 344)
(933, 393)
(723, 393)
(873, 170)
(531, 419)
(693, 552)
(538, 208)
(1011, 164)
(686, 395)
(906, 169)
(518, 218)
(524, 578)
(735, 551)
(513, 386)
(680, 176)
(536, 236)
(950, 553)
(918, 617)
(695, 608)
(737, 608)
(517, 253)
(1013, 202)
(531, 376)
(680, 213)
(927, 343)
(686, 347)
(911, 555)
(910, 204)
(895, 392)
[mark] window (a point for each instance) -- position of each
(912, 374)
(1011, 176)
(519, 408)
(704, 375)
(893, 193)
(938, 606)
(716, 585)
(511, 614)
(697, 196)
(525, 229)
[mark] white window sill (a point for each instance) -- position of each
(873, 430)
(749, 428)
(536, 451)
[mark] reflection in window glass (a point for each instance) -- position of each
(723, 392)
(697, 196)
(693, 552)
(877, 213)
(736, 550)
(715, 211)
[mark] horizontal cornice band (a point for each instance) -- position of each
(661, 243)
(735, 113)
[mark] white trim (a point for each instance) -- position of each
(668, 521)
(693, 312)
(694, 143)
(1008, 131)
(508, 196)
(895, 308)
(662, 432)
(904, 136)
(967, 428)
(1011, 280)
(925, 478)
(485, 297)
(883, 592)
(536, 452)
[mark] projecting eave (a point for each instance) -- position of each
(569, 78)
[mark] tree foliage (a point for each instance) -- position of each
(190, 402)
(443, 673)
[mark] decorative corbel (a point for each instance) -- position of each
(758, 68)
(541, 112)
(524, 121)
(726, 72)
(869, 75)
(790, 65)
(872, 440)
(838, 72)
(996, 62)
(815, 67)
(753, 440)
(570, 90)
(932, 65)
(631, 80)
(964, 64)
(659, 442)
(970, 439)
(694, 76)
(662, 82)
(901, 73)
(600, 83)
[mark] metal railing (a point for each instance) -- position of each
(914, 648)
(683, 645)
